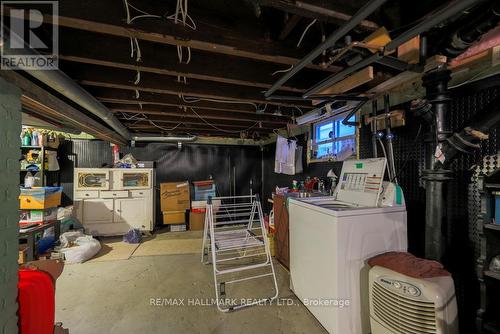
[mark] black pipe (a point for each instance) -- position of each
(444, 13)
(429, 22)
(388, 138)
(472, 29)
(467, 140)
(374, 128)
(436, 85)
(436, 216)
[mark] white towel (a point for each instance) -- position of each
(285, 156)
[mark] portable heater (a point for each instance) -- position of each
(400, 304)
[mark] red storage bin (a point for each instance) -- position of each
(36, 299)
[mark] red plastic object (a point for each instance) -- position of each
(36, 299)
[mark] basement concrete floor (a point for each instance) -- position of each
(117, 297)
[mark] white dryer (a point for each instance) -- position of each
(331, 239)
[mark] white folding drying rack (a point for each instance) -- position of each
(235, 242)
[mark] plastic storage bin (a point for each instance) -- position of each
(203, 190)
(40, 198)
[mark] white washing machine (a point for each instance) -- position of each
(331, 239)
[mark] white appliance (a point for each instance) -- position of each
(331, 239)
(400, 304)
(110, 201)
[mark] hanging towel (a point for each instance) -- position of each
(286, 151)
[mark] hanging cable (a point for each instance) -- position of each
(283, 71)
(305, 31)
(144, 14)
(194, 100)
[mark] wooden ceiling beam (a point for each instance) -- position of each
(108, 17)
(320, 10)
(190, 114)
(123, 96)
(97, 49)
(92, 75)
(202, 111)
(194, 128)
(156, 131)
(221, 124)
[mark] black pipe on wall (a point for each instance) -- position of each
(436, 85)
(467, 140)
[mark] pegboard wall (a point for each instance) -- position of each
(463, 197)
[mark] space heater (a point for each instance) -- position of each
(400, 304)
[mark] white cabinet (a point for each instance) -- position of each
(110, 201)
(131, 211)
(98, 211)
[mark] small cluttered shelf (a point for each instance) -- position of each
(489, 269)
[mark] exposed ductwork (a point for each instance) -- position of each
(164, 139)
(473, 29)
(64, 85)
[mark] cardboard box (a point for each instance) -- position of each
(37, 216)
(23, 254)
(196, 221)
(177, 227)
(174, 217)
(175, 196)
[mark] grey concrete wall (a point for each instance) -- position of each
(10, 127)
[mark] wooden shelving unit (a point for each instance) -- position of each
(43, 171)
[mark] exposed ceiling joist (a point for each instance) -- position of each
(90, 75)
(98, 49)
(123, 96)
(220, 124)
(107, 17)
(324, 11)
(168, 111)
(183, 127)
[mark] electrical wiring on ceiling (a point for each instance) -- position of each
(182, 10)
(144, 14)
(189, 99)
(305, 31)
(136, 118)
(283, 71)
(223, 130)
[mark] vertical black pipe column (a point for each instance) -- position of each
(435, 178)
(388, 137)
(374, 128)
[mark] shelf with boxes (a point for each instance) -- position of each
(177, 208)
(39, 227)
